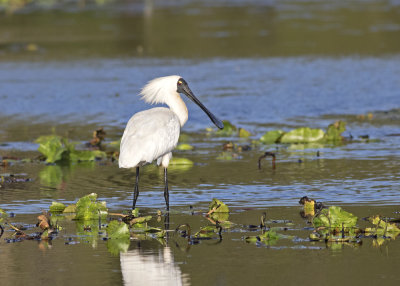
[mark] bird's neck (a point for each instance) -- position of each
(179, 108)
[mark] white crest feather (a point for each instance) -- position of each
(158, 89)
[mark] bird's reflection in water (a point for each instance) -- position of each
(139, 268)
(152, 267)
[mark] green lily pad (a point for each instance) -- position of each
(220, 216)
(206, 231)
(334, 217)
(184, 147)
(56, 148)
(218, 206)
(140, 219)
(243, 133)
(334, 131)
(86, 155)
(70, 209)
(228, 130)
(52, 147)
(57, 207)
(382, 228)
(271, 137)
(135, 212)
(180, 161)
(269, 237)
(302, 135)
(87, 208)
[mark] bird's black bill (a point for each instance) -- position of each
(186, 90)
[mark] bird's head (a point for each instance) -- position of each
(161, 89)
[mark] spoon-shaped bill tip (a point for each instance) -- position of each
(217, 122)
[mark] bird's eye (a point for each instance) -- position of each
(179, 82)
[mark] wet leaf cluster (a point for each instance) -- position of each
(231, 130)
(56, 148)
(306, 135)
(332, 226)
(336, 226)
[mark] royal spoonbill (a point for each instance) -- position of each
(153, 134)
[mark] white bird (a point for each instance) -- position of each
(153, 134)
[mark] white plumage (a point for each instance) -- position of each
(153, 134)
(149, 135)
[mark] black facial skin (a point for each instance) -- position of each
(182, 87)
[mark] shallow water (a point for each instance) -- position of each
(230, 261)
(253, 94)
(262, 66)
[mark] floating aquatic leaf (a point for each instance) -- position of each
(140, 220)
(206, 231)
(309, 208)
(229, 129)
(180, 164)
(220, 217)
(269, 237)
(180, 161)
(117, 230)
(310, 205)
(57, 207)
(382, 228)
(52, 147)
(56, 148)
(302, 135)
(271, 136)
(216, 206)
(184, 147)
(243, 133)
(334, 217)
(70, 209)
(135, 212)
(334, 131)
(87, 208)
(86, 155)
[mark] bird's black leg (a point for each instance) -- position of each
(166, 194)
(136, 192)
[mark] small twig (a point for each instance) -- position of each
(263, 218)
(211, 220)
(14, 228)
(117, 214)
(266, 154)
(213, 210)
